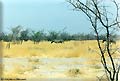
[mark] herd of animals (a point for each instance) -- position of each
(53, 41)
(111, 41)
(62, 41)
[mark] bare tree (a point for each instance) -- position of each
(15, 33)
(99, 13)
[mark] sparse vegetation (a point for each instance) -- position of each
(74, 72)
(33, 55)
(96, 66)
(60, 54)
(33, 60)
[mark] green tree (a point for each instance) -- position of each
(24, 35)
(65, 36)
(38, 36)
(2, 36)
(53, 35)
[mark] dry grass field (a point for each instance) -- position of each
(46, 49)
(72, 60)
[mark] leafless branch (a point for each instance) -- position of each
(99, 14)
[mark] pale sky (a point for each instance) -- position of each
(43, 14)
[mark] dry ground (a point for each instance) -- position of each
(69, 61)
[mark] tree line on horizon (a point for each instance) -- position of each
(18, 34)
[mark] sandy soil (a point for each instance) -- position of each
(72, 69)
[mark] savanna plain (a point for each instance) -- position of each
(68, 61)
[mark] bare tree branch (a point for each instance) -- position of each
(96, 16)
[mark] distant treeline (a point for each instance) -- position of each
(18, 34)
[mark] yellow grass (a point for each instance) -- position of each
(46, 49)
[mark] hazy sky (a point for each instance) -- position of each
(43, 14)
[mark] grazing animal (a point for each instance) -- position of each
(111, 41)
(57, 41)
(8, 46)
